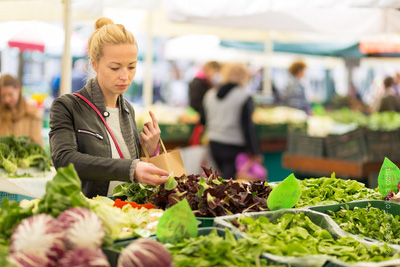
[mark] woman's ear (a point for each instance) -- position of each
(94, 65)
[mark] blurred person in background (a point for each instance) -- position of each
(227, 116)
(17, 116)
(78, 75)
(95, 128)
(205, 79)
(294, 93)
(389, 101)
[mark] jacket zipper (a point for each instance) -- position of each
(91, 133)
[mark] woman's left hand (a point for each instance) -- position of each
(151, 134)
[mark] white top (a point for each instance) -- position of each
(114, 125)
(223, 116)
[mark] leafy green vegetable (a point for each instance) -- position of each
(384, 121)
(4, 251)
(297, 235)
(133, 192)
(213, 250)
(9, 166)
(11, 215)
(18, 152)
(325, 191)
(63, 192)
(171, 183)
(369, 222)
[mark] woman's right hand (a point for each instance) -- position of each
(146, 173)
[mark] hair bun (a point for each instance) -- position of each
(103, 22)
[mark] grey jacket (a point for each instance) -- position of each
(78, 136)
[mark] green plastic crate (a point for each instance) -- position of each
(205, 221)
(300, 143)
(388, 206)
(176, 132)
(272, 131)
(349, 146)
(322, 220)
(10, 196)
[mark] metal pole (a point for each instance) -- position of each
(148, 77)
(267, 84)
(65, 87)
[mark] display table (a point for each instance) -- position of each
(33, 186)
(326, 166)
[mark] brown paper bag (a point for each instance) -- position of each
(171, 161)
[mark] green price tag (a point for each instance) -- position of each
(176, 223)
(389, 177)
(285, 195)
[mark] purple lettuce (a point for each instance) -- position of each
(210, 196)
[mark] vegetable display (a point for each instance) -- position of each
(306, 238)
(214, 250)
(208, 195)
(145, 252)
(40, 235)
(326, 191)
(63, 192)
(369, 222)
(19, 152)
(212, 196)
(84, 257)
(82, 228)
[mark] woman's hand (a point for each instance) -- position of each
(146, 173)
(151, 134)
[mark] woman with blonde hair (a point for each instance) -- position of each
(227, 116)
(95, 127)
(17, 116)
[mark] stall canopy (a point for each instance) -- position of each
(342, 17)
(341, 49)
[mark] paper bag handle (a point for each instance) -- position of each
(162, 150)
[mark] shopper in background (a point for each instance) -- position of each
(17, 116)
(294, 93)
(227, 116)
(206, 78)
(78, 133)
(390, 101)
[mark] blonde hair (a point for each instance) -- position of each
(235, 73)
(107, 33)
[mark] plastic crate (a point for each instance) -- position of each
(300, 143)
(383, 144)
(205, 221)
(10, 196)
(349, 146)
(386, 206)
(272, 131)
(176, 132)
(322, 220)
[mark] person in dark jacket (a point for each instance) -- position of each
(78, 133)
(203, 81)
(294, 94)
(227, 116)
(390, 101)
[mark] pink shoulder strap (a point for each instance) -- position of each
(104, 121)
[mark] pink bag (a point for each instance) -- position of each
(246, 169)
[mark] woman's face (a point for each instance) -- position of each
(116, 68)
(10, 96)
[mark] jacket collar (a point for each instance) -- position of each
(97, 97)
